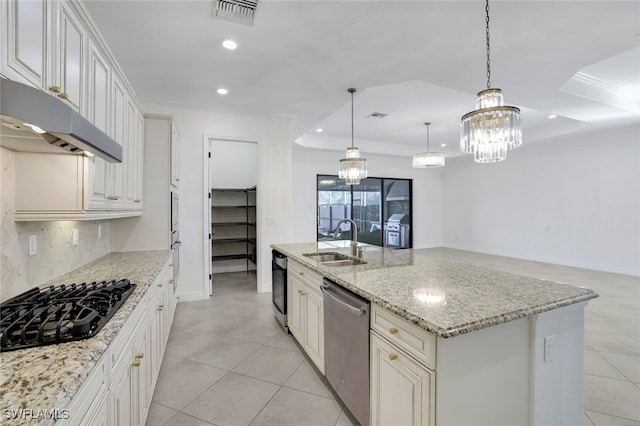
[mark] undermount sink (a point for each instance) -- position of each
(334, 259)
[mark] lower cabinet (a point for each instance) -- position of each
(120, 388)
(402, 361)
(401, 388)
(305, 315)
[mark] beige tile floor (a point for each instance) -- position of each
(229, 363)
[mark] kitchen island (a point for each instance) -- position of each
(502, 348)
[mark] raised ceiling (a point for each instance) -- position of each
(415, 61)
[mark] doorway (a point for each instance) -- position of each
(232, 213)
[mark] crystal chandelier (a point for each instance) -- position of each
(493, 128)
(352, 167)
(428, 159)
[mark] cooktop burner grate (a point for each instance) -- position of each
(60, 314)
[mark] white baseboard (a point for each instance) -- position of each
(191, 296)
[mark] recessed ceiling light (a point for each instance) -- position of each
(229, 44)
(443, 145)
(222, 91)
(318, 130)
(551, 116)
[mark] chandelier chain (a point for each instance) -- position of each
(352, 137)
(488, 48)
(428, 149)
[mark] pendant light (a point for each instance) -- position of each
(493, 128)
(352, 167)
(428, 159)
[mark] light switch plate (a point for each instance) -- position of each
(99, 231)
(76, 236)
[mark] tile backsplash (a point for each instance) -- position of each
(56, 253)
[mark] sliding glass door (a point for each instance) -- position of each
(380, 207)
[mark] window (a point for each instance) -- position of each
(380, 207)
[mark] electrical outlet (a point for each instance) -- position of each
(548, 348)
(76, 236)
(99, 231)
(33, 245)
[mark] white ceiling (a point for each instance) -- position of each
(416, 61)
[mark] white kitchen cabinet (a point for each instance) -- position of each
(99, 113)
(115, 171)
(53, 45)
(295, 306)
(27, 47)
(403, 359)
(91, 403)
(120, 387)
(305, 311)
(46, 47)
(69, 63)
(175, 157)
(138, 170)
(401, 388)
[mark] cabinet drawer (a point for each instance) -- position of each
(407, 336)
(309, 277)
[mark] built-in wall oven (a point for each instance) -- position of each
(279, 290)
(175, 237)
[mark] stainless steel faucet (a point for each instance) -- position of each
(355, 249)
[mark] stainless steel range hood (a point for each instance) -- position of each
(33, 112)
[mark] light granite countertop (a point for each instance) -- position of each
(445, 296)
(48, 377)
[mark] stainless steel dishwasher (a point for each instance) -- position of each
(346, 347)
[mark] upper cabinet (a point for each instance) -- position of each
(175, 157)
(45, 46)
(70, 59)
(27, 49)
(54, 46)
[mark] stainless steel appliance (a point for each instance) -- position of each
(59, 314)
(279, 288)
(48, 120)
(398, 231)
(175, 237)
(346, 347)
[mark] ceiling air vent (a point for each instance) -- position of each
(377, 115)
(241, 11)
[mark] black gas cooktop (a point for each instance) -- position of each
(59, 314)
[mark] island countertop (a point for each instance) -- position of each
(48, 377)
(446, 297)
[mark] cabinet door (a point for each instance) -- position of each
(295, 307)
(70, 70)
(139, 380)
(139, 166)
(131, 148)
(115, 171)
(99, 114)
(121, 409)
(101, 415)
(175, 157)
(401, 389)
(25, 46)
(314, 329)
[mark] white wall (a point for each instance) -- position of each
(574, 201)
(273, 136)
(427, 192)
(233, 164)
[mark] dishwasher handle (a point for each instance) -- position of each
(352, 309)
